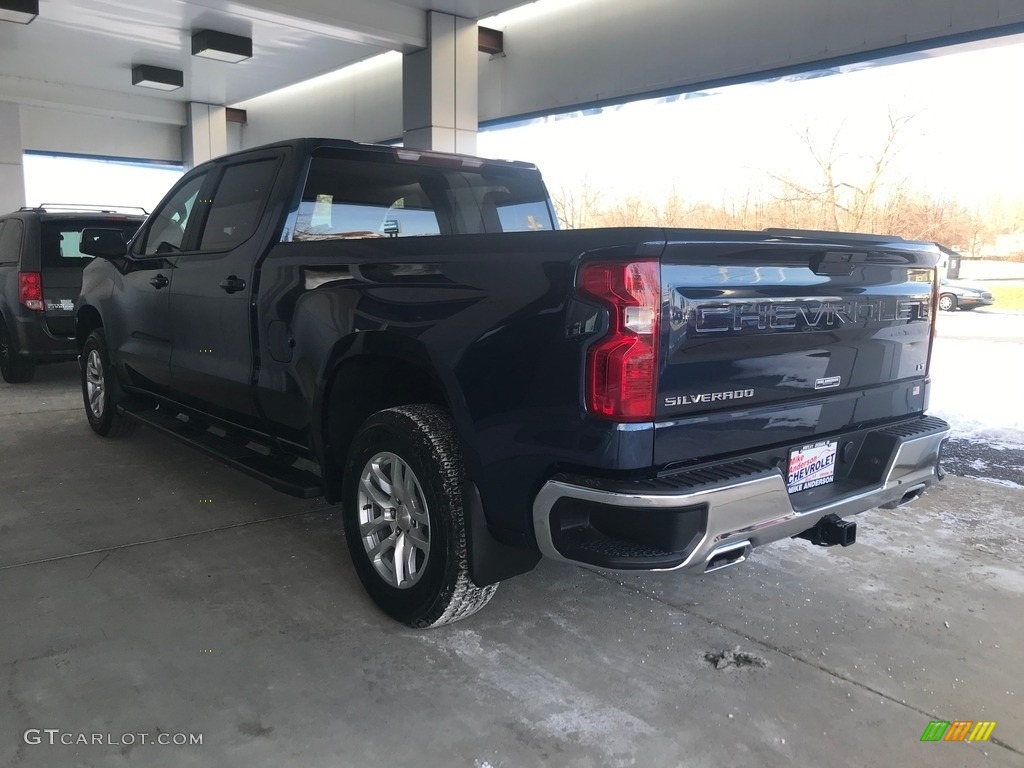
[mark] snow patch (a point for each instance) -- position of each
(976, 388)
(997, 481)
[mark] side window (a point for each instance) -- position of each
(238, 204)
(10, 241)
(167, 231)
(485, 203)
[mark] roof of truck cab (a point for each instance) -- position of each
(307, 145)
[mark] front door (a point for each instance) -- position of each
(144, 341)
(212, 354)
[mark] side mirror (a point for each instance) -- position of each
(105, 243)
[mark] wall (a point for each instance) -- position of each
(362, 102)
(235, 136)
(54, 130)
(12, 178)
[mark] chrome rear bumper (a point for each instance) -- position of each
(752, 507)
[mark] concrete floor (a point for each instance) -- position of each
(146, 589)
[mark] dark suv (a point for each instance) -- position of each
(40, 279)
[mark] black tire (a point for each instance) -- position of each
(102, 414)
(947, 302)
(14, 368)
(441, 591)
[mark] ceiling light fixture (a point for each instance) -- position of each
(19, 11)
(220, 46)
(148, 76)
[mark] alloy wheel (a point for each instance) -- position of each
(393, 520)
(94, 383)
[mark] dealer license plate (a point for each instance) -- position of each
(811, 466)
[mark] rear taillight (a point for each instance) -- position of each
(30, 290)
(622, 367)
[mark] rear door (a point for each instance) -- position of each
(61, 265)
(212, 355)
(773, 342)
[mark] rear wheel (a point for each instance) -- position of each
(404, 517)
(947, 302)
(13, 367)
(98, 390)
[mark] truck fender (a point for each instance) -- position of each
(491, 561)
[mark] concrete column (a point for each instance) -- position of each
(12, 173)
(439, 87)
(206, 134)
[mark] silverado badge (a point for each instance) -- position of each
(708, 397)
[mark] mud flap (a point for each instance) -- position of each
(490, 560)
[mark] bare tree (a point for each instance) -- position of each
(843, 190)
(632, 211)
(850, 189)
(577, 207)
(674, 212)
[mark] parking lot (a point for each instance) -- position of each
(147, 589)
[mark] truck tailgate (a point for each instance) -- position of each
(781, 341)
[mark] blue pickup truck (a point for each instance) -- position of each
(409, 334)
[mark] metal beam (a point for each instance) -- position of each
(94, 101)
(381, 23)
(560, 59)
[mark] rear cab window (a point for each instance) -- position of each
(352, 194)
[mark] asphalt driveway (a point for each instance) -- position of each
(148, 590)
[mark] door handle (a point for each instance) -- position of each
(232, 284)
(159, 282)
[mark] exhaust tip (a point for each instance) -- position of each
(911, 495)
(728, 555)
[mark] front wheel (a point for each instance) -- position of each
(405, 523)
(947, 302)
(98, 387)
